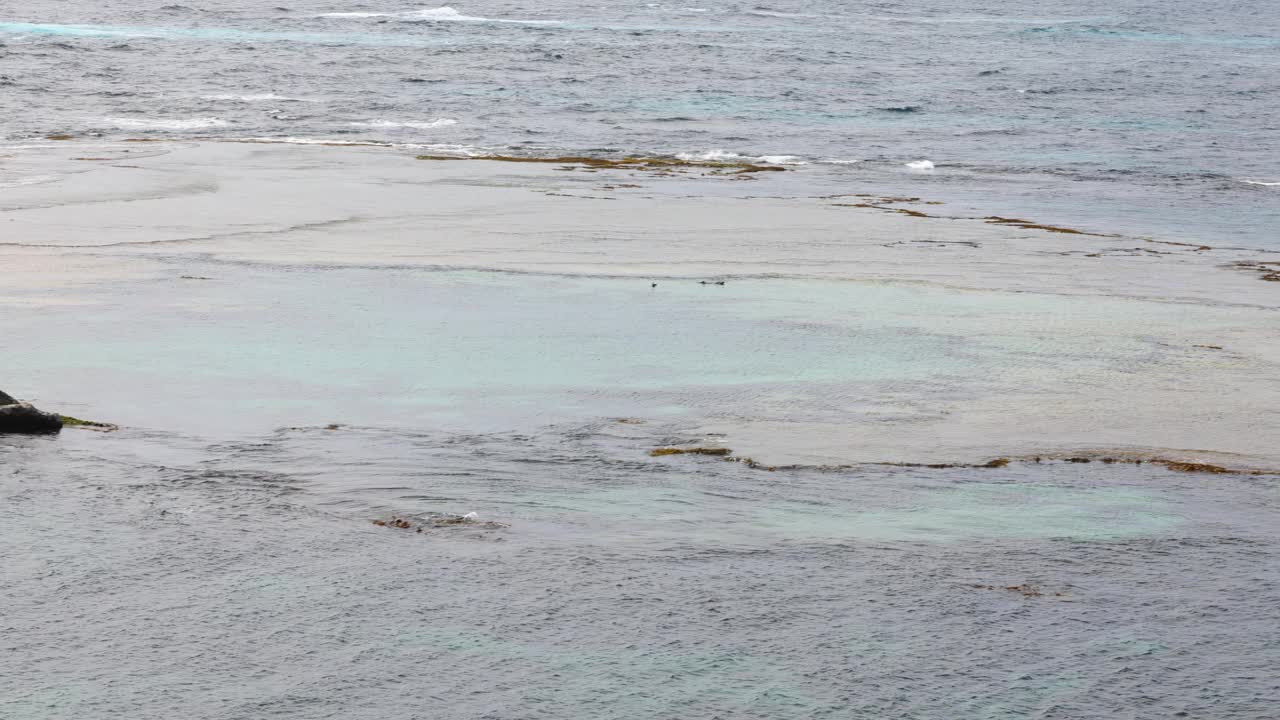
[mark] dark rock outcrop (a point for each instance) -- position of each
(21, 417)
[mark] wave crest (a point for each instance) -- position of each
(416, 125)
(440, 14)
(733, 157)
(166, 123)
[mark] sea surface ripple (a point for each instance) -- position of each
(1127, 116)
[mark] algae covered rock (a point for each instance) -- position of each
(21, 417)
(716, 451)
(68, 421)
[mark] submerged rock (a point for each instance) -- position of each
(433, 521)
(21, 417)
(69, 421)
(717, 451)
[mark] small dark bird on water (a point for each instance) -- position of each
(719, 282)
(653, 285)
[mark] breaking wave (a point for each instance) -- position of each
(392, 124)
(166, 123)
(440, 14)
(723, 156)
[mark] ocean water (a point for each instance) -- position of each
(246, 581)
(309, 338)
(1146, 118)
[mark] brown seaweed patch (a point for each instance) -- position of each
(627, 163)
(629, 421)
(751, 463)
(1173, 465)
(1026, 590)
(433, 522)
(1268, 270)
(912, 213)
(68, 421)
(1194, 246)
(1122, 252)
(1031, 225)
(715, 451)
(94, 159)
(990, 464)
(994, 463)
(883, 203)
(1177, 466)
(59, 137)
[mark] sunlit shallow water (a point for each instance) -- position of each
(912, 372)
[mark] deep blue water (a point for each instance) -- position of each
(1144, 118)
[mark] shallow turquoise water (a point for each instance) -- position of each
(264, 348)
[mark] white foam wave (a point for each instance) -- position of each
(724, 156)
(391, 124)
(434, 148)
(782, 160)
(308, 141)
(778, 14)
(166, 123)
(1263, 183)
(921, 165)
(440, 14)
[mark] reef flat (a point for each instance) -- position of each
(795, 328)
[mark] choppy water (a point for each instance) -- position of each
(245, 580)
(486, 338)
(1145, 118)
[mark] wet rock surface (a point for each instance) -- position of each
(18, 417)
